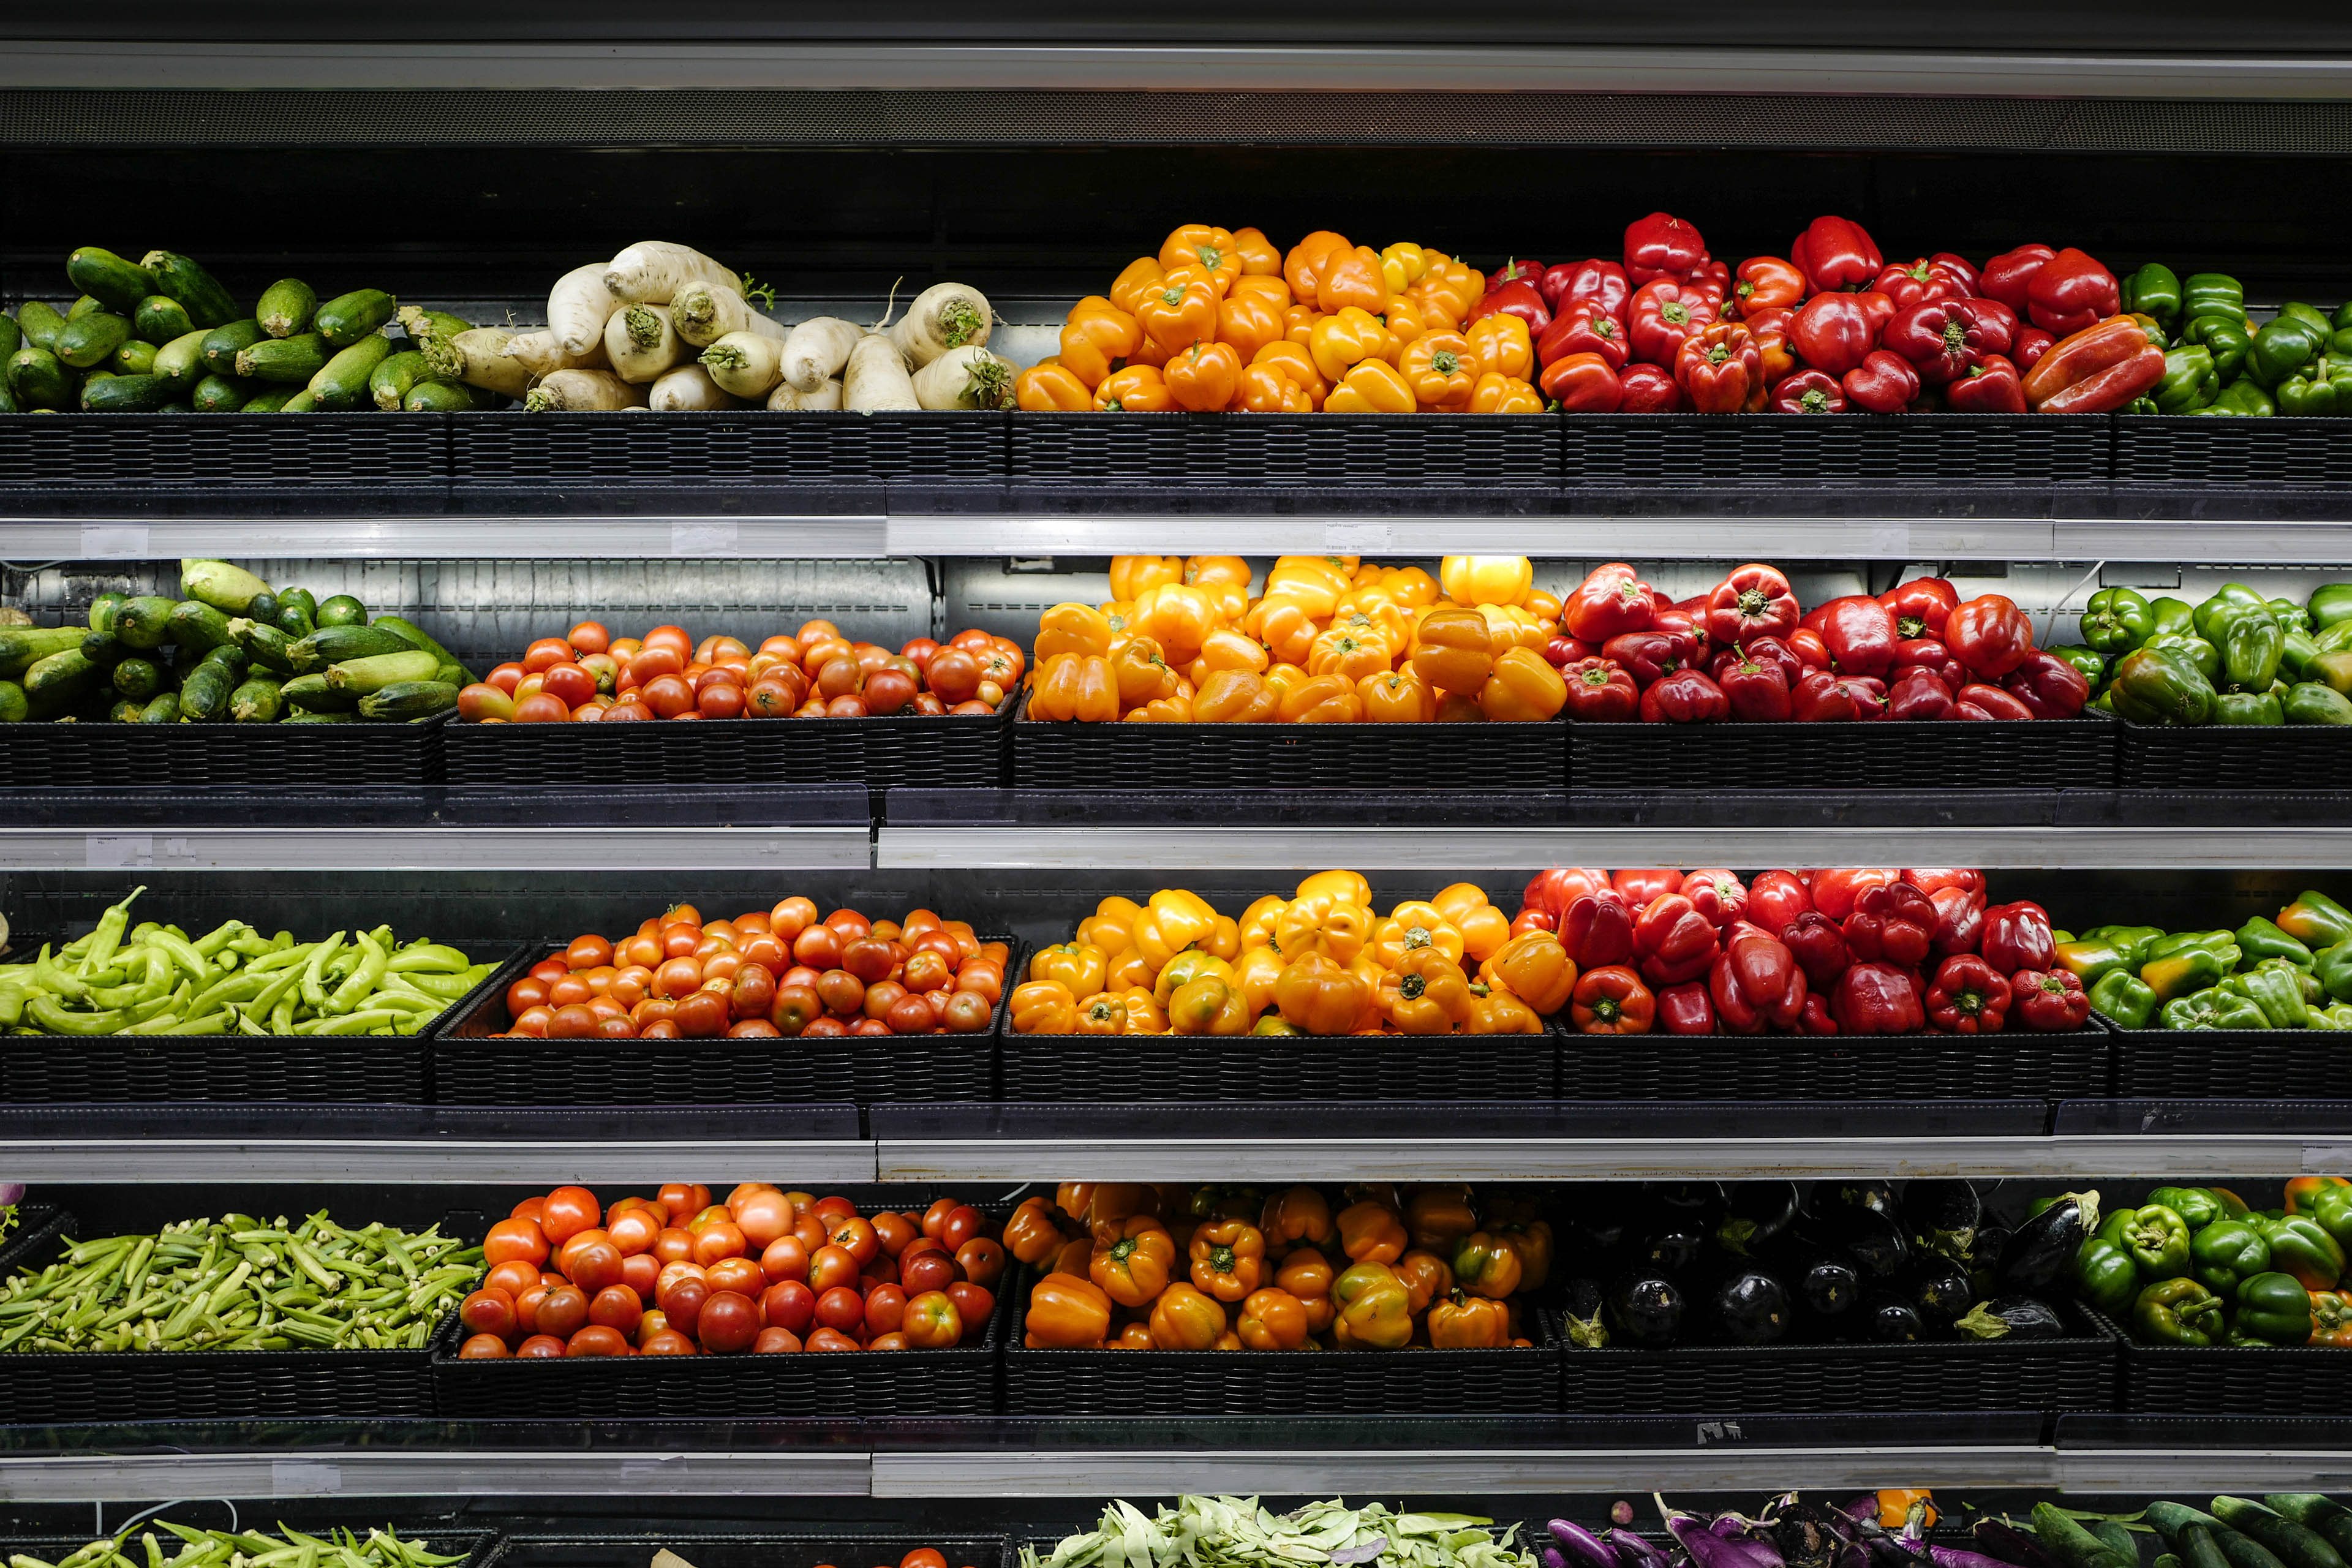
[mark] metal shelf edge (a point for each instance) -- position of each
(71, 1477)
(426, 1161)
(842, 848)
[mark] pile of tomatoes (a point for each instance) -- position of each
(590, 676)
(767, 1271)
(770, 973)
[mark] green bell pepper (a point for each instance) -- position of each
(2251, 643)
(2213, 1008)
(2144, 405)
(2134, 940)
(2174, 941)
(2332, 967)
(2301, 1246)
(2088, 662)
(2297, 649)
(2124, 998)
(2153, 290)
(2259, 938)
(2306, 982)
(2227, 1252)
(2156, 1238)
(2330, 603)
(2283, 346)
(2333, 671)
(2335, 1015)
(2172, 615)
(2322, 389)
(2196, 1205)
(2227, 338)
(2153, 685)
(2105, 1276)
(2290, 615)
(2175, 1312)
(2309, 702)
(2205, 655)
(2117, 620)
(2242, 398)
(2311, 315)
(2244, 708)
(2217, 609)
(2331, 1210)
(2095, 954)
(2212, 294)
(2315, 920)
(2189, 381)
(2273, 1309)
(2276, 993)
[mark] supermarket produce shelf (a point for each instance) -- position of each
(385, 535)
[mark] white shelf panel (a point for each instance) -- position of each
(316, 1473)
(546, 850)
(443, 538)
(425, 1162)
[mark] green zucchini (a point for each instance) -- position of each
(39, 324)
(226, 587)
(179, 406)
(342, 610)
(262, 607)
(409, 699)
(224, 343)
(343, 381)
(449, 398)
(270, 401)
(286, 307)
(296, 610)
(205, 695)
(138, 678)
(334, 644)
(415, 638)
(364, 676)
(122, 710)
(347, 318)
(144, 622)
(222, 394)
(313, 716)
(135, 357)
(14, 708)
(390, 382)
(39, 378)
(294, 359)
(83, 307)
(88, 341)
(120, 283)
(8, 404)
(2289, 1541)
(59, 675)
(265, 645)
(159, 319)
(101, 611)
(163, 707)
(196, 626)
(303, 402)
(297, 598)
(103, 649)
(312, 694)
(182, 359)
(177, 278)
(22, 646)
(12, 336)
(229, 656)
(127, 393)
(420, 324)
(256, 702)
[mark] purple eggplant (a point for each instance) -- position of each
(1708, 1550)
(1887, 1549)
(2004, 1542)
(1551, 1558)
(1953, 1557)
(1804, 1538)
(1580, 1545)
(1634, 1550)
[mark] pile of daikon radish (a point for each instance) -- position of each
(662, 326)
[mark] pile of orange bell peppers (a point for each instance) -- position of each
(1322, 962)
(1126, 1265)
(1221, 321)
(1332, 640)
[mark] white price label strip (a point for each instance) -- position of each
(704, 536)
(120, 851)
(1357, 538)
(113, 540)
(304, 1477)
(2333, 1158)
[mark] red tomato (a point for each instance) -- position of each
(541, 1347)
(515, 1238)
(769, 699)
(589, 637)
(776, 1342)
(669, 637)
(819, 947)
(827, 1028)
(488, 1310)
(729, 1325)
(982, 1261)
(930, 1269)
(616, 1307)
(754, 994)
(505, 677)
(954, 674)
(590, 951)
(597, 1340)
(968, 1012)
(831, 1339)
(563, 1313)
(595, 1267)
(784, 1258)
(682, 1199)
(886, 1308)
(964, 1223)
(667, 1342)
(910, 1016)
(973, 1302)
(889, 692)
(483, 700)
(568, 1212)
(841, 1308)
(524, 995)
(514, 1276)
(667, 695)
(540, 708)
(639, 1270)
(829, 1266)
(868, 960)
(894, 1231)
(545, 655)
(766, 1218)
(788, 1304)
(569, 684)
(702, 1015)
(856, 1237)
(683, 1305)
(926, 970)
(720, 699)
(741, 1274)
(482, 1347)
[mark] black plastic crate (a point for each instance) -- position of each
(326, 1069)
(1112, 1069)
(2231, 1380)
(38, 1227)
(1643, 450)
(481, 1547)
(2076, 1373)
(2044, 753)
(952, 751)
(805, 1548)
(750, 446)
(136, 452)
(1282, 451)
(2225, 1064)
(243, 757)
(842, 1387)
(2250, 757)
(2232, 454)
(1412, 1381)
(2016, 1064)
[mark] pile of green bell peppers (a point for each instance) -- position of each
(2235, 659)
(2195, 1266)
(2294, 971)
(2218, 361)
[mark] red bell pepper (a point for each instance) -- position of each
(1552, 891)
(2017, 936)
(1765, 282)
(1775, 898)
(1910, 283)
(1977, 703)
(1995, 322)
(1807, 645)
(1991, 386)
(1717, 895)
(1591, 282)
(1967, 996)
(1878, 998)
(1610, 600)
(1600, 693)
(1821, 697)
(1582, 383)
(1516, 298)
(1752, 601)
(2051, 1000)
(1934, 879)
(1959, 267)
(1837, 255)
(1808, 392)
(1770, 327)
(1662, 246)
(1584, 328)
(1643, 884)
(1816, 1019)
(1559, 652)
(1687, 625)
(1648, 656)
(2096, 370)
(1674, 940)
(1833, 332)
(1597, 929)
(1662, 315)
(2048, 686)
(2070, 292)
(1882, 383)
(1755, 981)
(2029, 345)
(1775, 650)
(1686, 1009)
(1651, 389)
(1920, 607)
(1942, 338)
(1894, 920)
(2008, 276)
(1859, 631)
(1684, 697)
(1819, 946)
(1514, 271)
(1918, 696)
(1715, 276)
(1835, 888)
(1720, 369)
(1959, 919)
(1989, 635)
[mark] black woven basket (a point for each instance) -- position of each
(2076, 1373)
(38, 1227)
(2015, 1064)
(950, 751)
(750, 446)
(481, 1547)
(2231, 454)
(130, 453)
(2231, 1380)
(2052, 753)
(842, 1387)
(1282, 1383)
(808, 1548)
(1644, 450)
(1207, 450)
(2225, 1064)
(1107, 1068)
(2252, 757)
(243, 757)
(334, 1070)
(471, 1067)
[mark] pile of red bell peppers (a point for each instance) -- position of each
(1742, 652)
(1845, 951)
(1831, 328)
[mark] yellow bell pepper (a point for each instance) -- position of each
(1184, 916)
(1176, 616)
(1153, 942)
(1474, 580)
(1347, 652)
(1209, 1005)
(1429, 995)
(1258, 972)
(1136, 387)
(1144, 1016)
(1406, 323)
(1414, 927)
(1204, 246)
(1043, 1007)
(1260, 259)
(1534, 967)
(1498, 394)
(1317, 996)
(1186, 967)
(1103, 1013)
(1499, 345)
(1501, 1013)
(1237, 697)
(1131, 575)
(1409, 586)
(1224, 648)
(1079, 686)
(1112, 925)
(1077, 966)
(1309, 583)
(1374, 1310)
(1322, 700)
(1338, 887)
(1130, 968)
(1327, 927)
(1291, 356)
(1507, 625)
(1225, 938)
(1438, 366)
(1285, 626)
(1274, 289)
(1202, 571)
(1257, 921)
(1371, 607)
(1454, 650)
(1346, 338)
(1175, 709)
(1524, 687)
(1402, 265)
(1072, 629)
(1372, 386)
(1141, 673)
(1457, 901)
(1397, 697)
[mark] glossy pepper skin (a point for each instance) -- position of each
(1992, 385)
(2153, 290)
(1758, 691)
(1752, 601)
(2272, 1308)
(1966, 997)
(2050, 686)
(2126, 998)
(2301, 1247)
(1837, 255)
(1755, 983)
(2315, 920)
(1884, 383)
(1600, 691)
(1942, 338)
(1663, 316)
(2226, 1253)
(2017, 936)
(1808, 392)
(1662, 246)
(2156, 1238)
(2096, 370)
(1585, 328)
(1651, 389)
(1989, 635)
(1720, 369)
(1820, 948)
(1894, 921)
(2158, 685)
(2175, 1312)
(2008, 276)
(2104, 1277)
(1610, 601)
(1582, 383)
(1684, 697)
(2212, 1008)
(2070, 293)
(1764, 283)
(1611, 1000)
(2285, 345)
(2051, 1000)
(1859, 633)
(1833, 332)
(2117, 620)
(1878, 998)
(2190, 381)
(1673, 941)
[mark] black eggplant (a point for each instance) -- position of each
(1703, 1198)
(1984, 1258)
(1805, 1540)
(1751, 1307)
(1670, 1241)
(1941, 1217)
(1645, 1305)
(1754, 1214)
(1877, 1197)
(2042, 1249)
(2014, 1317)
(1825, 1286)
(1601, 1217)
(1888, 1316)
(1580, 1314)
(1939, 1287)
(1873, 1241)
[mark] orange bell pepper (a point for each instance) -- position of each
(1143, 1013)
(1486, 1265)
(1259, 257)
(1438, 311)
(1439, 1214)
(1295, 1215)
(1298, 324)
(1131, 575)
(1210, 1006)
(1412, 927)
(1371, 610)
(1350, 278)
(1375, 1312)
(1287, 627)
(1524, 687)
(1402, 265)
(1204, 376)
(1066, 1313)
(1259, 920)
(1072, 629)
(1225, 649)
(1406, 324)
(1534, 967)
(1272, 1320)
(1454, 650)
(1463, 1322)
(1133, 1259)
(1500, 1013)
(1372, 386)
(1228, 1259)
(1257, 973)
(1265, 389)
(1050, 387)
(1185, 1319)
(1485, 930)
(1101, 1013)
(1043, 1007)
(1078, 967)
(1455, 902)
(1317, 996)
(1272, 290)
(1184, 917)
(1235, 697)
(1112, 925)
(1249, 321)
(1498, 393)
(1345, 651)
(1079, 686)
(1307, 1274)
(1313, 582)
(1204, 246)
(1294, 360)
(1438, 366)
(1499, 345)
(1136, 278)
(1098, 339)
(1129, 970)
(1217, 571)
(1426, 995)
(1175, 709)
(1345, 338)
(1176, 616)
(1336, 929)
(1397, 697)
(1134, 389)
(1322, 700)
(1301, 263)
(1034, 1234)
(1140, 672)
(1186, 967)
(1181, 311)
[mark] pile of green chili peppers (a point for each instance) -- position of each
(2194, 1265)
(2291, 973)
(2217, 361)
(241, 1283)
(157, 980)
(252, 1548)
(2235, 659)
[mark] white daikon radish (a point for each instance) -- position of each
(944, 316)
(666, 1558)
(968, 377)
(876, 379)
(744, 363)
(478, 357)
(642, 343)
(582, 392)
(817, 349)
(654, 270)
(705, 313)
(542, 353)
(578, 306)
(689, 389)
(790, 399)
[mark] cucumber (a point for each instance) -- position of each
(204, 696)
(303, 402)
(83, 307)
(224, 343)
(2329, 1519)
(90, 339)
(198, 292)
(144, 622)
(450, 397)
(270, 401)
(294, 359)
(343, 381)
(13, 708)
(135, 357)
(12, 336)
(196, 626)
(163, 707)
(390, 382)
(59, 675)
(121, 284)
(334, 643)
(39, 378)
(311, 693)
(420, 324)
(409, 699)
(220, 394)
(363, 675)
(122, 710)
(342, 610)
(127, 393)
(347, 318)
(286, 307)
(182, 359)
(103, 649)
(256, 702)
(265, 645)
(101, 611)
(303, 716)
(2289, 1541)
(159, 319)
(39, 324)
(138, 678)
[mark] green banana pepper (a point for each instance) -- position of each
(2204, 654)
(2156, 1238)
(2309, 702)
(2243, 398)
(2213, 1008)
(2175, 1312)
(2212, 294)
(2322, 389)
(2124, 998)
(2226, 1253)
(2244, 708)
(2156, 685)
(2196, 1206)
(2189, 381)
(2087, 662)
(2297, 649)
(2276, 993)
(2259, 938)
(2315, 920)
(2227, 338)
(2301, 1246)
(2153, 290)
(2283, 346)
(2273, 1310)
(2117, 620)
(2105, 1276)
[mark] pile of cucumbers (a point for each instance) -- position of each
(161, 335)
(230, 649)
